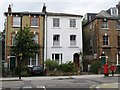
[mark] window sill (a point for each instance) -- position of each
(105, 28)
(73, 47)
(34, 26)
(106, 47)
(16, 26)
(73, 27)
(118, 29)
(56, 27)
(56, 46)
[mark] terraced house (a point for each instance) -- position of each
(63, 37)
(101, 35)
(35, 20)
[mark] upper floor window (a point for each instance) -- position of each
(104, 24)
(118, 25)
(72, 40)
(56, 40)
(72, 22)
(16, 21)
(119, 41)
(36, 38)
(56, 22)
(34, 21)
(105, 40)
(13, 40)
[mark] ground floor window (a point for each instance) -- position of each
(57, 57)
(33, 61)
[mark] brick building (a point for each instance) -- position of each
(101, 34)
(35, 20)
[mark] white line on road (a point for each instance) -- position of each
(27, 87)
(41, 87)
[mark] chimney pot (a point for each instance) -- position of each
(9, 9)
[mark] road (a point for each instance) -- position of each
(88, 82)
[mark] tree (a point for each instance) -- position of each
(25, 44)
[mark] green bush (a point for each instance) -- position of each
(51, 65)
(24, 71)
(95, 67)
(67, 67)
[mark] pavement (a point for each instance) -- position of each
(105, 85)
(48, 77)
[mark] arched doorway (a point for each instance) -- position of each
(76, 59)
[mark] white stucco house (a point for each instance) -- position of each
(63, 36)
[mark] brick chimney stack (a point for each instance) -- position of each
(44, 8)
(9, 9)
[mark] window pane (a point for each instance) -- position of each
(104, 24)
(118, 25)
(13, 40)
(72, 22)
(72, 39)
(118, 40)
(56, 39)
(36, 38)
(16, 21)
(56, 22)
(34, 21)
(105, 40)
(57, 58)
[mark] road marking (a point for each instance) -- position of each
(27, 87)
(41, 87)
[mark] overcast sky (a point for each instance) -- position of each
(80, 7)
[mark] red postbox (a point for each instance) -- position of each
(106, 69)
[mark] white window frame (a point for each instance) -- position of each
(16, 21)
(105, 40)
(72, 40)
(36, 38)
(56, 40)
(33, 59)
(60, 57)
(13, 40)
(105, 25)
(34, 22)
(72, 23)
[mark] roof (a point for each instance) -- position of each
(27, 13)
(103, 14)
(63, 14)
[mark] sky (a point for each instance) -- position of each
(80, 7)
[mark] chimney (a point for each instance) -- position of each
(9, 9)
(44, 8)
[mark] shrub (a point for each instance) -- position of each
(67, 67)
(24, 71)
(95, 67)
(51, 65)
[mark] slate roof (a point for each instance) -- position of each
(26, 13)
(63, 14)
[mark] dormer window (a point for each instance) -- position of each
(114, 11)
